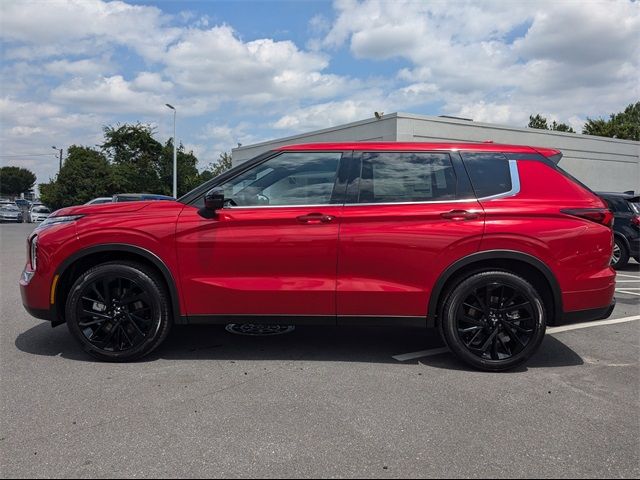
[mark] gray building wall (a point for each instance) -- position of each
(602, 163)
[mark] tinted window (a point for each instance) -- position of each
(618, 204)
(292, 178)
(489, 173)
(392, 177)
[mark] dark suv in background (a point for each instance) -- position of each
(626, 227)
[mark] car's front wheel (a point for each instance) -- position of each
(494, 320)
(119, 311)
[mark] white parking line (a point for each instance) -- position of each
(628, 276)
(628, 281)
(550, 330)
(423, 353)
(628, 293)
(577, 326)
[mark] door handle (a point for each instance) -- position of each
(459, 215)
(312, 218)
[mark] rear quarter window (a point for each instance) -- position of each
(489, 173)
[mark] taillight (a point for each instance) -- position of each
(636, 220)
(603, 216)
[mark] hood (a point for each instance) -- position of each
(102, 209)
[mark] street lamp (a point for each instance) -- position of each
(60, 167)
(175, 154)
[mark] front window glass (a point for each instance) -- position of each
(292, 178)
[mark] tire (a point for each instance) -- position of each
(620, 255)
(499, 337)
(119, 311)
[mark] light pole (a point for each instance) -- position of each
(60, 166)
(175, 154)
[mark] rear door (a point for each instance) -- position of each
(408, 216)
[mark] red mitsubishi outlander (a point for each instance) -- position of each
(489, 243)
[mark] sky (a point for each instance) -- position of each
(248, 71)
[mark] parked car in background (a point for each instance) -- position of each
(485, 243)
(22, 203)
(139, 197)
(9, 212)
(38, 213)
(99, 200)
(626, 227)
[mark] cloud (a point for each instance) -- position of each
(82, 27)
(217, 62)
(571, 59)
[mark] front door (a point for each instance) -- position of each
(407, 216)
(272, 251)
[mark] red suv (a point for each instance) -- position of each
(489, 243)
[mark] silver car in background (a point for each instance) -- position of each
(38, 213)
(9, 212)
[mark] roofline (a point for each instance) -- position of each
(412, 146)
(438, 119)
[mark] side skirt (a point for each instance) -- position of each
(330, 320)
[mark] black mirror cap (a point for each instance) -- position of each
(213, 201)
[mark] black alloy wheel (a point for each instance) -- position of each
(494, 320)
(118, 311)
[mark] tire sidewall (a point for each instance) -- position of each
(459, 293)
(144, 280)
(624, 253)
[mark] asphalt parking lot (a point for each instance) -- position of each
(318, 402)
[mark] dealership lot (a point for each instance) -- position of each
(316, 402)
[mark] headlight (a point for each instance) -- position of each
(33, 252)
(63, 219)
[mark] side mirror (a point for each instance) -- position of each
(213, 201)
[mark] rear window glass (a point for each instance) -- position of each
(396, 177)
(489, 173)
(635, 207)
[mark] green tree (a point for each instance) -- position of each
(216, 168)
(85, 174)
(16, 180)
(135, 157)
(540, 122)
(625, 125)
(188, 175)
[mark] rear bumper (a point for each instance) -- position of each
(587, 315)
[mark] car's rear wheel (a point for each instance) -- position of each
(620, 255)
(118, 311)
(494, 320)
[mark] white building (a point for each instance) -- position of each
(605, 164)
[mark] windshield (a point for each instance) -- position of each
(10, 207)
(41, 210)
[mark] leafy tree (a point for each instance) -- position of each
(85, 174)
(218, 167)
(188, 176)
(540, 122)
(625, 125)
(135, 156)
(16, 180)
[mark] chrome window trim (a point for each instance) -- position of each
(515, 189)
(460, 200)
(244, 207)
(515, 183)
